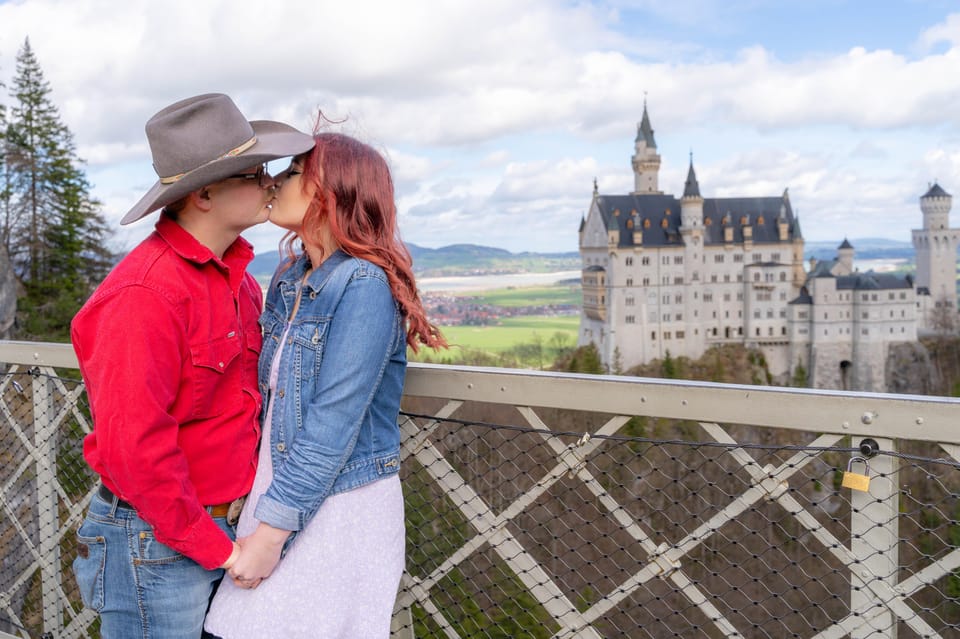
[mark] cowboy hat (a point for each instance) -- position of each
(205, 139)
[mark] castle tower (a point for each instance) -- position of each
(645, 160)
(844, 258)
(936, 249)
(691, 204)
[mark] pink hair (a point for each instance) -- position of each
(356, 180)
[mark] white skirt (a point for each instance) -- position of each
(339, 579)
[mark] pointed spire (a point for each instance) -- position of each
(691, 188)
(644, 130)
(596, 191)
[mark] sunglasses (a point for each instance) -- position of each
(261, 176)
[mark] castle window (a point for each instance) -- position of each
(864, 297)
(629, 224)
(738, 257)
(757, 257)
(666, 212)
(629, 301)
(726, 277)
(708, 297)
(653, 335)
(718, 258)
(760, 221)
(629, 261)
(646, 281)
(739, 296)
(616, 212)
(678, 280)
(681, 334)
(666, 299)
(645, 261)
(783, 277)
(664, 222)
(756, 277)
(708, 222)
(775, 257)
(679, 319)
(629, 281)
(630, 319)
(646, 223)
(678, 299)
(666, 335)
(726, 297)
(678, 259)
(665, 260)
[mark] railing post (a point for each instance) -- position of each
(874, 533)
(45, 442)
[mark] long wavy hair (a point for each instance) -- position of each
(364, 222)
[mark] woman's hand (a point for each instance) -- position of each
(259, 555)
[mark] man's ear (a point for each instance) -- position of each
(201, 199)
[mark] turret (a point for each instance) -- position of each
(936, 204)
(691, 204)
(645, 160)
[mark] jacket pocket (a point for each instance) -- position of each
(88, 569)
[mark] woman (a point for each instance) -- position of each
(337, 321)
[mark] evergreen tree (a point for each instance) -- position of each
(54, 228)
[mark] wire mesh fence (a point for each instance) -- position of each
(554, 523)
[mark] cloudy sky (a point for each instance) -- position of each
(496, 116)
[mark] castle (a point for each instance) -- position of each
(666, 275)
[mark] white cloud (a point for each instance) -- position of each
(496, 116)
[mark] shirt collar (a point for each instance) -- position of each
(238, 254)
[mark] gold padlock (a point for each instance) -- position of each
(855, 481)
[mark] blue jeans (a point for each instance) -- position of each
(140, 587)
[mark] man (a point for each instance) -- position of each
(168, 347)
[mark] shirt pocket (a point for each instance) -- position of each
(211, 360)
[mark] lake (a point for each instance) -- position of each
(489, 282)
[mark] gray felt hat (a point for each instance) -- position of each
(205, 139)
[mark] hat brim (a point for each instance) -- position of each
(274, 140)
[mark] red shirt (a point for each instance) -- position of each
(168, 347)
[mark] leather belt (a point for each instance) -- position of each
(220, 510)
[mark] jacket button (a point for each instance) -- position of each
(281, 447)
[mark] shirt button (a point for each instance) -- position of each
(220, 364)
(281, 447)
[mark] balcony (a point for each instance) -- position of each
(578, 506)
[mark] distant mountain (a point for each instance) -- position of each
(473, 259)
(871, 248)
(456, 259)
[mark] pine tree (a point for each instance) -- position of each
(55, 230)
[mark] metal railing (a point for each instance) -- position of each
(577, 506)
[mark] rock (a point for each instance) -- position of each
(8, 295)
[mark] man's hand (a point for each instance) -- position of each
(259, 555)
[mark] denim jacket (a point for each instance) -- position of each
(341, 371)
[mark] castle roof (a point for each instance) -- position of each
(691, 188)
(936, 191)
(657, 216)
(873, 281)
(846, 244)
(645, 131)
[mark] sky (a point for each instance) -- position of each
(497, 116)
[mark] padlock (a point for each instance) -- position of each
(855, 481)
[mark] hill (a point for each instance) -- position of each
(865, 249)
(474, 259)
(456, 259)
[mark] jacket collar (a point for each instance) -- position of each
(318, 276)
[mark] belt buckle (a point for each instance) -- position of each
(233, 512)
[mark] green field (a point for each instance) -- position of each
(512, 331)
(529, 296)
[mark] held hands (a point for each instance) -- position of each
(258, 556)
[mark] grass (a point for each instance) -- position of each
(528, 296)
(512, 331)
